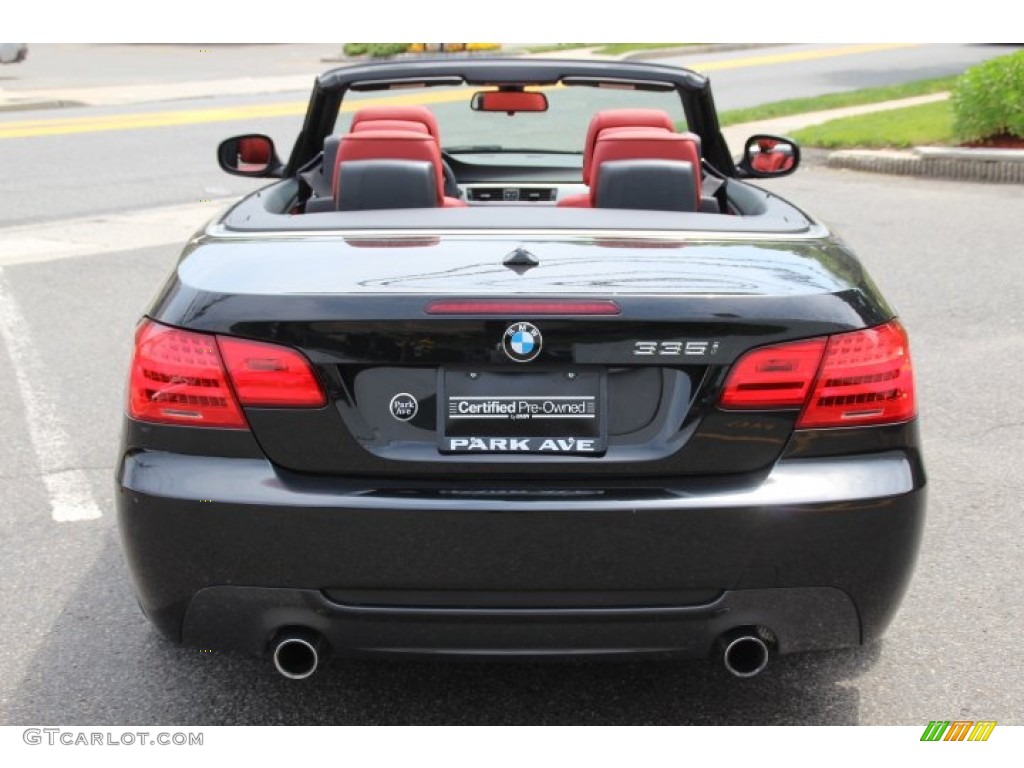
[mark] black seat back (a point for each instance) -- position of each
(385, 183)
(652, 185)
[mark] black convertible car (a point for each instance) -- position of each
(510, 359)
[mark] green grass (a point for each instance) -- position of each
(907, 127)
(835, 101)
(558, 47)
(616, 49)
(605, 49)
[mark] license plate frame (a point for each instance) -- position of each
(550, 412)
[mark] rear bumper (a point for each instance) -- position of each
(224, 552)
(246, 618)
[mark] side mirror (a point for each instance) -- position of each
(249, 155)
(768, 157)
(509, 101)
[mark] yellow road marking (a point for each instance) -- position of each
(60, 126)
(70, 125)
(125, 122)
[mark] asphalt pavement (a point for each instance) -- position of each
(942, 253)
(91, 65)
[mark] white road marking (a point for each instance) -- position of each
(70, 493)
(63, 239)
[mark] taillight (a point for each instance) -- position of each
(177, 378)
(861, 377)
(184, 377)
(774, 377)
(270, 375)
(866, 378)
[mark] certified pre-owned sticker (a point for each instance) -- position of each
(523, 407)
(404, 406)
(522, 342)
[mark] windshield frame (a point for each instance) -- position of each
(330, 88)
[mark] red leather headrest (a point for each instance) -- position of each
(620, 118)
(390, 125)
(412, 114)
(645, 144)
(393, 145)
(769, 161)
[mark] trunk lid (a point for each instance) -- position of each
(418, 394)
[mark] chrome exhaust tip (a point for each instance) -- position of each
(298, 654)
(744, 653)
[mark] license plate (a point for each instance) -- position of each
(556, 412)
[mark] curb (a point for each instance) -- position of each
(1005, 166)
(25, 106)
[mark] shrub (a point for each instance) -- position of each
(988, 99)
(356, 49)
(383, 50)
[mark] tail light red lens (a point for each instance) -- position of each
(850, 379)
(866, 378)
(270, 375)
(774, 377)
(183, 377)
(177, 378)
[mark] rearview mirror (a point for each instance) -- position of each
(249, 155)
(509, 101)
(766, 156)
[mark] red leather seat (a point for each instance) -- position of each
(409, 114)
(619, 118)
(769, 162)
(612, 119)
(769, 159)
(643, 144)
(414, 121)
(394, 145)
(403, 118)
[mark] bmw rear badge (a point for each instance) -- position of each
(522, 342)
(404, 406)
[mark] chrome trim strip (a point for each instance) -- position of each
(814, 232)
